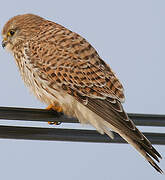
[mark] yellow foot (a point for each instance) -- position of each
(54, 123)
(55, 108)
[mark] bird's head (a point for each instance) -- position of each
(20, 28)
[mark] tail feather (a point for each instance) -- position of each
(154, 165)
(114, 115)
(105, 118)
(150, 150)
(146, 152)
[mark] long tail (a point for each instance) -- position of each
(146, 151)
(113, 114)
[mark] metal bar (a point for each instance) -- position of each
(29, 114)
(75, 135)
(148, 119)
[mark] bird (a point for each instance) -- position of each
(64, 71)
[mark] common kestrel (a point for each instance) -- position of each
(65, 72)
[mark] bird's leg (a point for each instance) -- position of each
(57, 108)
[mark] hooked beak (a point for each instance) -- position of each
(4, 43)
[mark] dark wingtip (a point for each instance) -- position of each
(156, 167)
(156, 152)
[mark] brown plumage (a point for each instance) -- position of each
(62, 68)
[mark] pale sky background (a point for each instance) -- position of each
(129, 35)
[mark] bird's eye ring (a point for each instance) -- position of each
(11, 32)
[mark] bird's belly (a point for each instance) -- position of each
(46, 93)
(39, 87)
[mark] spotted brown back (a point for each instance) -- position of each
(69, 59)
(61, 67)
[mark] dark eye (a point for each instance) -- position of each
(11, 33)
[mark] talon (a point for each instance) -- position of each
(55, 108)
(54, 123)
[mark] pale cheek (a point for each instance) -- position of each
(9, 47)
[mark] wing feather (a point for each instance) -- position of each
(92, 83)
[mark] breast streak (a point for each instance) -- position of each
(40, 87)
